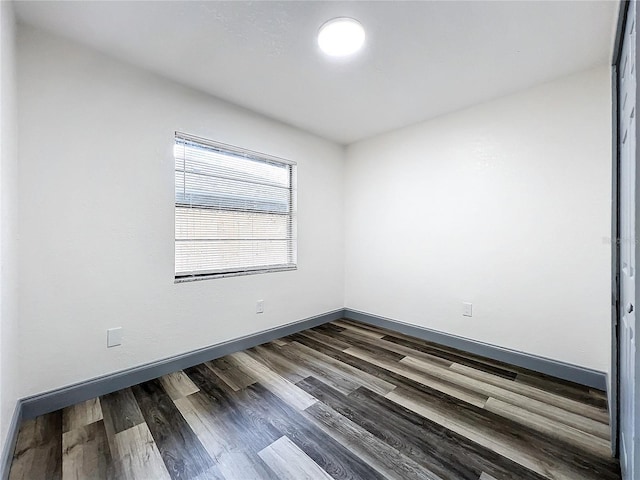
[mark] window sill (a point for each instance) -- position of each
(195, 278)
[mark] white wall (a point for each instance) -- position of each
(505, 205)
(8, 221)
(96, 218)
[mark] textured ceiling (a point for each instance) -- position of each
(421, 59)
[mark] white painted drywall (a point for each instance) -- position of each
(8, 221)
(505, 205)
(96, 191)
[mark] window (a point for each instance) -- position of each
(235, 210)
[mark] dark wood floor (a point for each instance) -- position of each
(341, 401)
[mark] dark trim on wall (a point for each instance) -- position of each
(40, 404)
(12, 437)
(51, 401)
(63, 397)
(555, 368)
(79, 392)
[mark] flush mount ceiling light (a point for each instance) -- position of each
(341, 36)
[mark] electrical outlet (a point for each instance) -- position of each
(467, 309)
(114, 337)
(260, 306)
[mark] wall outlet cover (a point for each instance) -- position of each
(114, 337)
(467, 309)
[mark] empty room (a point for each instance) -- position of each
(318, 240)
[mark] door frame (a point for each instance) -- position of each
(614, 380)
(614, 390)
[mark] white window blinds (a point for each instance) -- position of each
(235, 210)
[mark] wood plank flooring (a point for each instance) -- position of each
(341, 401)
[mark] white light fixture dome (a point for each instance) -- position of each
(340, 37)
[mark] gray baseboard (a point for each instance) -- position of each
(54, 400)
(613, 419)
(554, 368)
(79, 392)
(10, 444)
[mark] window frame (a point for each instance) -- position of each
(251, 155)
